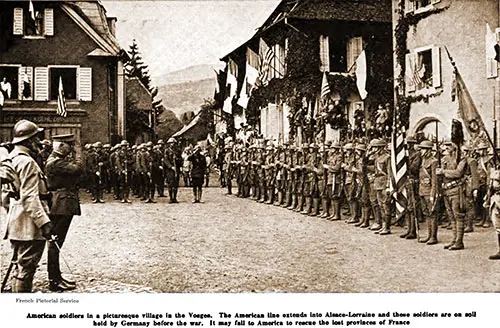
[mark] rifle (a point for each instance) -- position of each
(438, 177)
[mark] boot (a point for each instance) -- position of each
(279, 198)
(408, 225)
(270, 196)
(288, 200)
(429, 232)
(308, 206)
(325, 210)
(459, 244)
(433, 232)
(334, 210)
(300, 203)
(454, 229)
(377, 224)
(487, 223)
(469, 225)
(365, 217)
(354, 213)
(412, 228)
(497, 255)
(200, 193)
(386, 226)
(315, 209)
(293, 202)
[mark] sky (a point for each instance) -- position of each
(173, 35)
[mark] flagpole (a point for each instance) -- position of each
(455, 71)
(495, 133)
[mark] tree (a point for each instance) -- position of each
(187, 117)
(135, 67)
(168, 124)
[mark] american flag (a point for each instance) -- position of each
(61, 102)
(266, 56)
(399, 169)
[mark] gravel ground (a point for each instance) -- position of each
(230, 244)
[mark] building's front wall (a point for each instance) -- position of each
(461, 29)
(89, 119)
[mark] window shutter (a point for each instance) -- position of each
(18, 21)
(354, 48)
(41, 83)
(409, 6)
(85, 84)
(410, 83)
(49, 21)
(436, 67)
(491, 68)
(25, 73)
(324, 54)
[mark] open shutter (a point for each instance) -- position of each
(436, 67)
(324, 53)
(85, 84)
(410, 83)
(48, 21)
(41, 83)
(409, 6)
(18, 21)
(25, 82)
(491, 68)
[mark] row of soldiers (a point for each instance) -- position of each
(139, 169)
(318, 180)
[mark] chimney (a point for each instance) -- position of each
(112, 25)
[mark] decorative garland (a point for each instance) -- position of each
(401, 30)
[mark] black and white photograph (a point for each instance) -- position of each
(324, 148)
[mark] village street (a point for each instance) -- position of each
(230, 244)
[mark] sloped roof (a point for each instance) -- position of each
(187, 128)
(138, 92)
(94, 14)
(346, 10)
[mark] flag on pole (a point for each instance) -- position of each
(325, 87)
(466, 108)
(361, 73)
(399, 169)
(32, 10)
(266, 55)
(61, 103)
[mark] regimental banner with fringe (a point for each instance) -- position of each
(399, 170)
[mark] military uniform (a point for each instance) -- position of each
(350, 182)
(427, 191)
(62, 175)
(380, 186)
(453, 187)
(362, 189)
(227, 168)
(301, 176)
(493, 205)
(290, 176)
(28, 223)
(270, 171)
(172, 170)
(333, 178)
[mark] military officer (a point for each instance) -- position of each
(270, 170)
(63, 171)
(484, 164)
(380, 185)
(350, 182)
(333, 170)
(427, 191)
(362, 191)
(124, 167)
(414, 163)
(290, 177)
(301, 175)
(172, 169)
(28, 225)
(227, 168)
(493, 205)
(454, 194)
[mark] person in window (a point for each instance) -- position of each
(5, 88)
(26, 91)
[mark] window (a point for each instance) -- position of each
(68, 78)
(423, 69)
(33, 21)
(419, 5)
(9, 82)
(338, 54)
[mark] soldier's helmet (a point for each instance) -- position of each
(348, 146)
(425, 144)
(336, 145)
(377, 143)
(160, 142)
(149, 144)
(313, 146)
(411, 140)
(107, 146)
(24, 130)
(124, 143)
(134, 147)
(98, 144)
(87, 146)
(171, 140)
(305, 146)
(361, 147)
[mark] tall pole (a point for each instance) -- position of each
(495, 133)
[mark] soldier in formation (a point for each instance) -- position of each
(318, 180)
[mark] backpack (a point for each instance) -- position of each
(8, 176)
